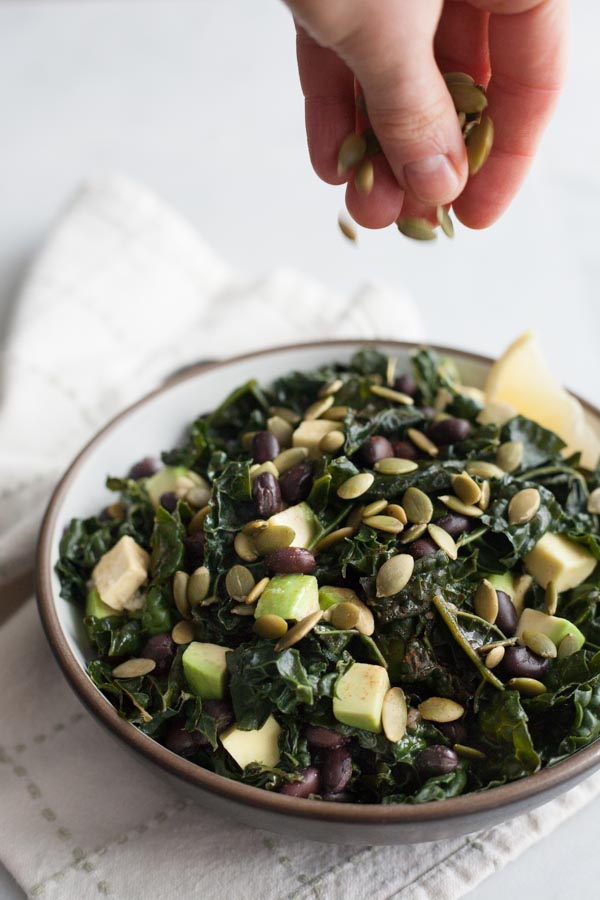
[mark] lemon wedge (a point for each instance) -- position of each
(522, 378)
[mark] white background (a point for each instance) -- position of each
(200, 100)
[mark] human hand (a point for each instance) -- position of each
(396, 50)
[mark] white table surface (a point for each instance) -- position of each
(200, 100)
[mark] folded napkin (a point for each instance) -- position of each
(123, 293)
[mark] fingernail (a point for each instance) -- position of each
(432, 179)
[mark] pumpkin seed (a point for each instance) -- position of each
(468, 752)
(443, 540)
(442, 399)
(331, 388)
(551, 599)
(380, 390)
(485, 602)
(210, 601)
(316, 410)
(529, 687)
(345, 616)
(134, 668)
(387, 524)
(259, 468)
(484, 469)
(366, 622)
(421, 441)
(539, 643)
(495, 657)
(180, 583)
(336, 414)
(198, 497)
(593, 504)
(417, 506)
(270, 627)
(394, 465)
(444, 221)
(244, 547)
(116, 511)
(299, 631)
(242, 609)
(365, 177)
(397, 512)
(371, 509)
(239, 581)
(390, 370)
(510, 455)
(413, 534)
(486, 495)
(275, 537)
(496, 414)
(416, 228)
(466, 489)
(281, 429)
(441, 709)
(257, 590)
(394, 714)
(467, 98)
(198, 585)
(347, 229)
(355, 486)
(247, 439)
(196, 524)
(373, 145)
(182, 633)
(523, 506)
(394, 575)
(568, 646)
(458, 78)
(351, 152)
(479, 144)
(334, 537)
(289, 415)
(293, 456)
(252, 527)
(457, 506)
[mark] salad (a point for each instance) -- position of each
(356, 584)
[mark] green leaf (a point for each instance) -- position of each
(502, 723)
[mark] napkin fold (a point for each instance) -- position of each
(123, 293)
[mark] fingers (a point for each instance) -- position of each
(527, 51)
(461, 41)
(382, 206)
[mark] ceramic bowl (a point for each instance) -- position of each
(158, 422)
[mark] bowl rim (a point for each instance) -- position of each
(507, 795)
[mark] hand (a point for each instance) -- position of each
(397, 50)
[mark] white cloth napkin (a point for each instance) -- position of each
(124, 292)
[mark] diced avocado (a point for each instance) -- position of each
(358, 696)
(552, 626)
(292, 597)
(330, 595)
(503, 582)
(177, 479)
(205, 669)
(556, 558)
(95, 607)
(119, 574)
(516, 586)
(309, 434)
(258, 746)
(302, 519)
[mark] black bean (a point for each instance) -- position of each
(161, 649)
(291, 561)
(308, 785)
(144, 468)
(405, 450)
(454, 524)
(336, 771)
(169, 501)
(342, 797)
(456, 732)
(422, 547)
(428, 412)
(194, 546)
(221, 711)
(507, 617)
(264, 446)
(375, 448)
(520, 662)
(406, 384)
(184, 743)
(295, 484)
(449, 431)
(266, 495)
(436, 760)
(324, 738)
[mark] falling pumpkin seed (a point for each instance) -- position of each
(347, 229)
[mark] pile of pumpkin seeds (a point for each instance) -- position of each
(357, 151)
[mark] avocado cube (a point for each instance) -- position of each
(329, 595)
(552, 626)
(516, 586)
(358, 696)
(120, 572)
(302, 519)
(556, 558)
(292, 597)
(258, 746)
(178, 479)
(95, 607)
(205, 669)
